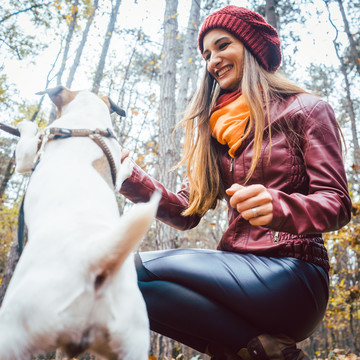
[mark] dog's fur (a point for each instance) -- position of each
(75, 285)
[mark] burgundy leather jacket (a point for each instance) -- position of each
(305, 177)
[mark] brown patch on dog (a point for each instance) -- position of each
(102, 166)
(60, 96)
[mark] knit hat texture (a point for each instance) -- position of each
(260, 38)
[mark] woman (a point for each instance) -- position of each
(272, 151)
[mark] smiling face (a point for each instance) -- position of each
(224, 55)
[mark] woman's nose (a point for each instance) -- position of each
(214, 60)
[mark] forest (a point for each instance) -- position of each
(144, 54)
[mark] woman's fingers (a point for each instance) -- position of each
(234, 187)
(253, 202)
(247, 197)
(259, 215)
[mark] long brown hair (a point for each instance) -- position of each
(258, 87)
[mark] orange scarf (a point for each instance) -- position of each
(228, 121)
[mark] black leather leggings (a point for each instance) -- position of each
(223, 299)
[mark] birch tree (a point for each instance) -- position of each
(167, 114)
(354, 53)
(72, 22)
(71, 19)
(189, 55)
(80, 49)
(165, 235)
(348, 97)
(270, 13)
(109, 31)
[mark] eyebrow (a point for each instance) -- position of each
(217, 41)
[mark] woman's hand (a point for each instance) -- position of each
(253, 202)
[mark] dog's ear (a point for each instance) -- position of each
(112, 106)
(60, 96)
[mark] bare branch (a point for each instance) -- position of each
(22, 11)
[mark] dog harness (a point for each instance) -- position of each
(54, 133)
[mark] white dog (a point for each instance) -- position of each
(75, 286)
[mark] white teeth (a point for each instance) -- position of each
(223, 70)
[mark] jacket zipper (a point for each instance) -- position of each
(276, 237)
(231, 164)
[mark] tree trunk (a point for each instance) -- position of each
(127, 70)
(167, 110)
(350, 103)
(7, 176)
(81, 45)
(353, 51)
(165, 235)
(70, 34)
(105, 48)
(270, 14)
(189, 54)
(74, 12)
(12, 260)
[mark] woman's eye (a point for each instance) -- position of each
(207, 57)
(223, 45)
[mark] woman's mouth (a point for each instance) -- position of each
(223, 70)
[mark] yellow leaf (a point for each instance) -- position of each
(190, 60)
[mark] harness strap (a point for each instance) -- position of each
(100, 142)
(96, 135)
(65, 133)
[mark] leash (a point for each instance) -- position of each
(96, 135)
(21, 231)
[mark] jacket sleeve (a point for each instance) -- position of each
(140, 186)
(327, 206)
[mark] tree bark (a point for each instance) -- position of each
(69, 36)
(68, 41)
(189, 55)
(7, 176)
(353, 51)
(13, 259)
(167, 110)
(80, 49)
(350, 103)
(270, 14)
(109, 31)
(127, 70)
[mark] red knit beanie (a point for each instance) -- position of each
(260, 38)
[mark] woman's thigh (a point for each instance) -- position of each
(193, 319)
(273, 294)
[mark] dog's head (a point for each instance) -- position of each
(61, 96)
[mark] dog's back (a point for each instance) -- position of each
(75, 285)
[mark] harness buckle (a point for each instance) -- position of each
(63, 133)
(110, 133)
